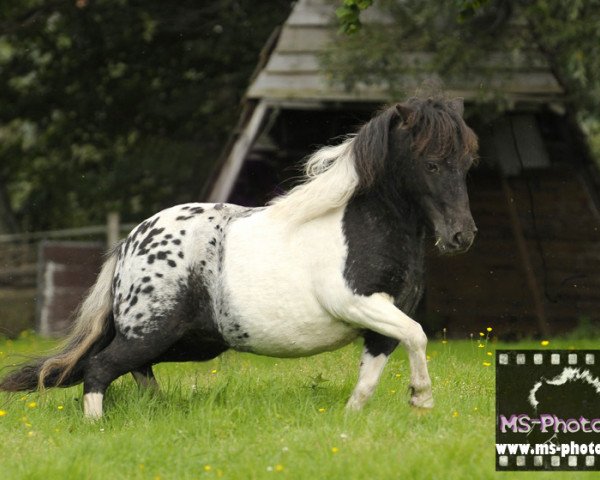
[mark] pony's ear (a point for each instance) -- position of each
(371, 146)
(404, 111)
(458, 105)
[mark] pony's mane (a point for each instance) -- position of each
(330, 181)
(332, 175)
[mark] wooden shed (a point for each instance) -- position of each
(534, 268)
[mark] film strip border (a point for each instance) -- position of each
(540, 359)
(562, 357)
(545, 462)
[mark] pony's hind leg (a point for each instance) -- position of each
(121, 356)
(144, 377)
(376, 352)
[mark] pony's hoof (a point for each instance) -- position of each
(422, 401)
(354, 405)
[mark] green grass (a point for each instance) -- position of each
(242, 417)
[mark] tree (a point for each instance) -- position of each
(119, 104)
(461, 34)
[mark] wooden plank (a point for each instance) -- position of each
(526, 261)
(305, 39)
(66, 270)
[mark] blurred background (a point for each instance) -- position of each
(111, 110)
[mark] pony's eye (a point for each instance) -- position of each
(432, 167)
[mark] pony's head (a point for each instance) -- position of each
(422, 149)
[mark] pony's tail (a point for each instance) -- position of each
(93, 330)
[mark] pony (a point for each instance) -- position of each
(340, 256)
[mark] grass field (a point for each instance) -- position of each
(244, 417)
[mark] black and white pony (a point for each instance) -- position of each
(339, 256)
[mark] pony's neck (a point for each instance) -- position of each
(385, 247)
(397, 214)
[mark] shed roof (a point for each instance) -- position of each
(293, 72)
(290, 75)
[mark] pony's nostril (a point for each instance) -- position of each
(458, 238)
(462, 239)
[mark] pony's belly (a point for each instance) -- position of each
(284, 338)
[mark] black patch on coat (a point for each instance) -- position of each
(377, 344)
(385, 253)
(163, 255)
(115, 282)
(143, 250)
(219, 206)
(193, 311)
(184, 217)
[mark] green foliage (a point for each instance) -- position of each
(349, 15)
(119, 104)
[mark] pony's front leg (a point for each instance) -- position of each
(375, 355)
(378, 313)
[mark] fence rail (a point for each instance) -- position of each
(65, 233)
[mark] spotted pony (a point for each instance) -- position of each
(338, 257)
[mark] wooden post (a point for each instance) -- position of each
(112, 228)
(515, 223)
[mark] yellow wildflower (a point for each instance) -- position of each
(2, 413)
(455, 414)
(544, 343)
(213, 371)
(481, 334)
(489, 354)
(60, 407)
(207, 468)
(322, 410)
(486, 364)
(489, 329)
(335, 450)
(32, 404)
(279, 468)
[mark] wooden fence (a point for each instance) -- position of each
(43, 275)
